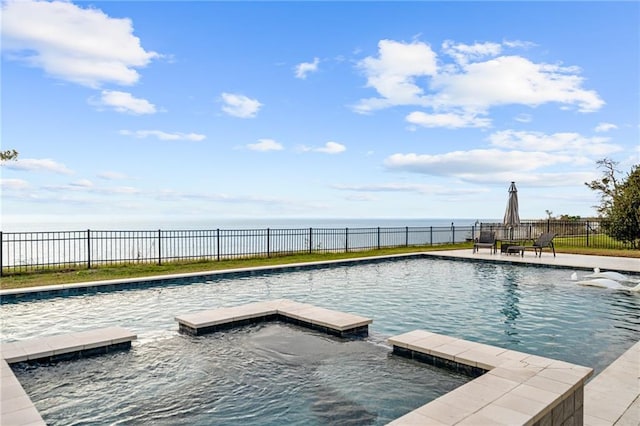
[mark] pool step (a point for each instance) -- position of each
(68, 346)
(325, 320)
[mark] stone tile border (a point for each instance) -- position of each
(515, 389)
(613, 397)
(328, 321)
(16, 408)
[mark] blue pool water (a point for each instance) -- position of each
(530, 309)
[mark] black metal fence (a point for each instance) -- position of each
(30, 251)
(569, 233)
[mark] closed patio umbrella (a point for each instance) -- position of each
(511, 215)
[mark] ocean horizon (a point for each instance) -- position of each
(229, 223)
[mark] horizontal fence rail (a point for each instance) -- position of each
(31, 251)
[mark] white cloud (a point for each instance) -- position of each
(83, 46)
(463, 53)
(82, 183)
(512, 80)
(523, 118)
(476, 81)
(388, 187)
(124, 102)
(305, 68)
(38, 165)
(393, 73)
(569, 143)
(86, 186)
(537, 179)
(164, 136)
(14, 184)
(112, 176)
(123, 190)
(605, 127)
(420, 188)
(332, 148)
(240, 106)
(361, 197)
(474, 162)
(451, 120)
(328, 148)
(265, 145)
(518, 44)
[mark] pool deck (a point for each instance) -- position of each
(563, 260)
(612, 397)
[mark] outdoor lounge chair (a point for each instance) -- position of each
(487, 239)
(545, 240)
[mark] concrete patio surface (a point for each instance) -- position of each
(578, 261)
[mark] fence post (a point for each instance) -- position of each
(218, 244)
(159, 247)
(587, 233)
(378, 238)
(548, 225)
(406, 236)
(346, 239)
(88, 249)
(310, 240)
(453, 233)
(1, 249)
(268, 242)
(431, 235)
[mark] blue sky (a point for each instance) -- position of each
(168, 110)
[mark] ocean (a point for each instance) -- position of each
(212, 224)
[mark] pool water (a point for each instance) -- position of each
(268, 374)
(531, 309)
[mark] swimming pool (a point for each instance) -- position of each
(530, 309)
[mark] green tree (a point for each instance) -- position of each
(619, 202)
(606, 185)
(9, 154)
(623, 220)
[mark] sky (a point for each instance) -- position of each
(153, 110)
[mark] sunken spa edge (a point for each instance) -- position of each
(511, 387)
(324, 320)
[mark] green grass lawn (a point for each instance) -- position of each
(137, 270)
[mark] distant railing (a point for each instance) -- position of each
(30, 251)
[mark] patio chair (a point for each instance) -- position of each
(545, 240)
(487, 239)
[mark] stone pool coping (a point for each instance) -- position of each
(16, 408)
(513, 388)
(326, 320)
